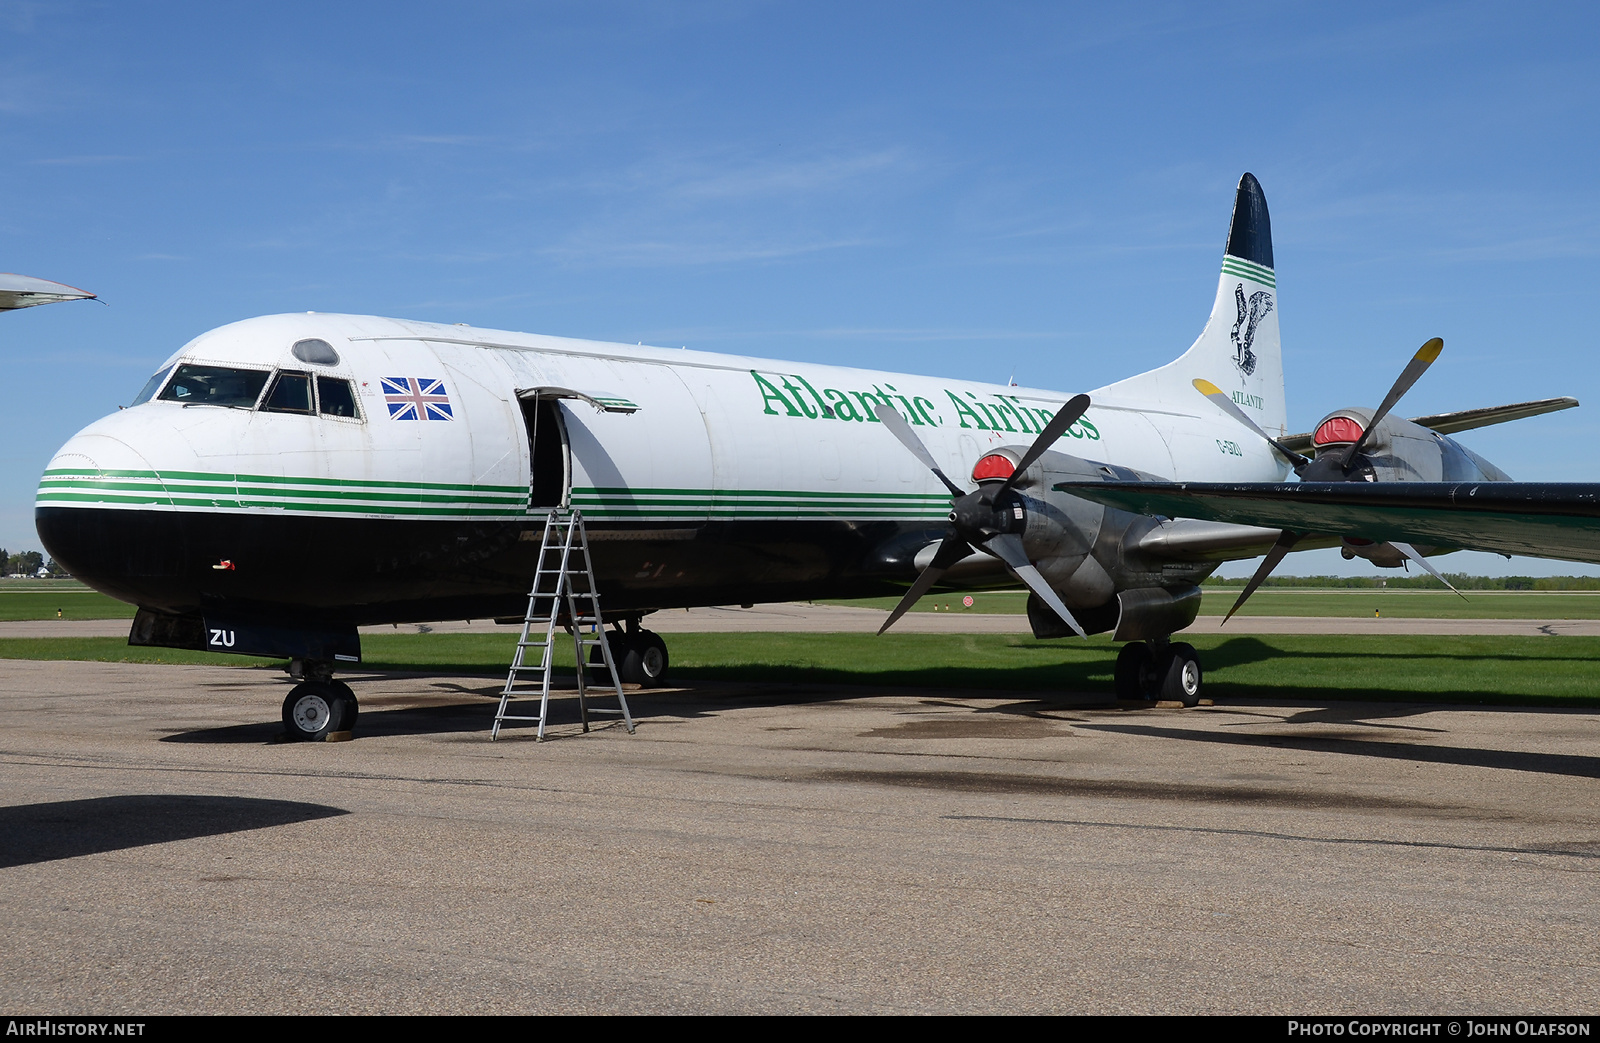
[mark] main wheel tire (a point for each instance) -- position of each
(1133, 663)
(314, 709)
(352, 706)
(1181, 679)
(644, 660)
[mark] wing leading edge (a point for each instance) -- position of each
(1542, 520)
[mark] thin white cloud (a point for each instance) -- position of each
(897, 335)
(85, 161)
(666, 252)
(712, 181)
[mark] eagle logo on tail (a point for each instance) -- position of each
(1251, 311)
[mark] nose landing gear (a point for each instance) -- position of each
(1150, 670)
(318, 707)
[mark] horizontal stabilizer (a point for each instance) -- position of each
(1558, 520)
(23, 291)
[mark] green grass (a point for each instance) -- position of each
(45, 598)
(42, 599)
(1531, 671)
(1400, 604)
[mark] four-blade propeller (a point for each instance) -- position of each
(986, 519)
(1334, 466)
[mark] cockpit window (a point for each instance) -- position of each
(291, 393)
(150, 387)
(215, 386)
(335, 397)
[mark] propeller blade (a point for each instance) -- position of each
(1228, 406)
(952, 550)
(1065, 417)
(1008, 548)
(1410, 375)
(888, 417)
(1285, 544)
(1411, 552)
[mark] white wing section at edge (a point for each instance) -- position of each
(23, 291)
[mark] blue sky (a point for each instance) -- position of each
(959, 189)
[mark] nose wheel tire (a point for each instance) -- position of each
(314, 709)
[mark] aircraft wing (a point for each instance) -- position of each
(23, 291)
(1542, 520)
(1461, 420)
(1468, 419)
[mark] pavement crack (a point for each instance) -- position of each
(1271, 835)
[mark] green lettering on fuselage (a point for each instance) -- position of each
(1002, 414)
(963, 411)
(770, 394)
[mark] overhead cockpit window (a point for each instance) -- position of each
(151, 387)
(335, 397)
(291, 393)
(214, 386)
(316, 352)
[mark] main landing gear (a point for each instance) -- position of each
(1169, 671)
(318, 706)
(640, 655)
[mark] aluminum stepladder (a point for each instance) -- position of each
(563, 580)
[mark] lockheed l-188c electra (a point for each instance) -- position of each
(283, 480)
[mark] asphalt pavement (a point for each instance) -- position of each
(783, 849)
(811, 618)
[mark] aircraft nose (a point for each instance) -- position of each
(98, 468)
(82, 506)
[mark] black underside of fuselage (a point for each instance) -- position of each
(354, 571)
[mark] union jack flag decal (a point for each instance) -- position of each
(413, 398)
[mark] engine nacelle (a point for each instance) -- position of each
(1087, 551)
(1075, 544)
(1136, 615)
(1383, 555)
(1397, 451)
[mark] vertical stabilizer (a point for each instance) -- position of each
(1239, 350)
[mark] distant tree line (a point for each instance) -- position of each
(1460, 580)
(27, 563)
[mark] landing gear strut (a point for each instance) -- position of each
(319, 705)
(1168, 671)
